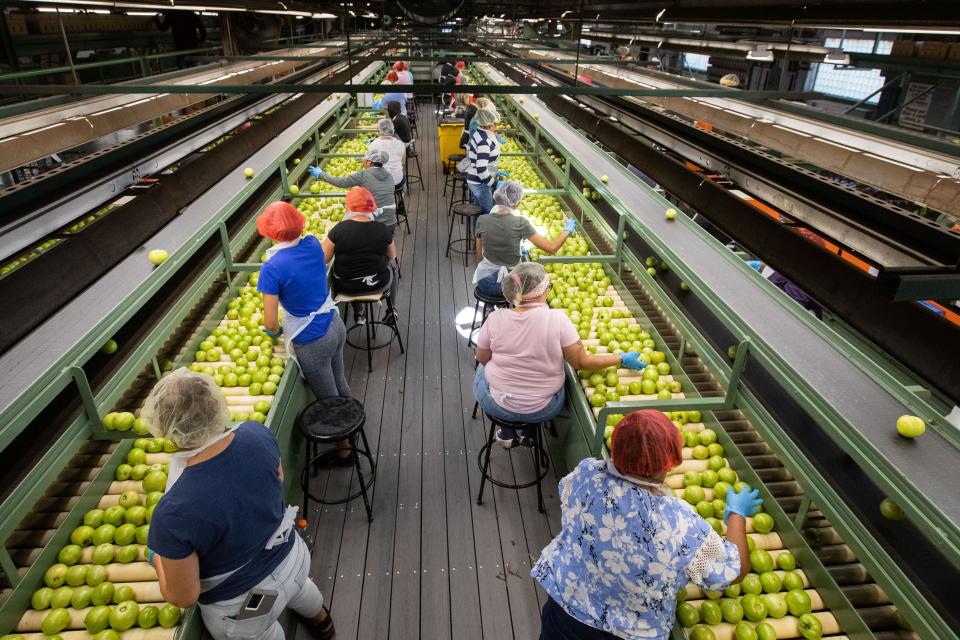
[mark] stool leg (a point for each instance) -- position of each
(485, 467)
(449, 236)
(538, 446)
(363, 485)
(393, 315)
(476, 405)
(473, 325)
(369, 337)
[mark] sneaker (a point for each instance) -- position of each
(360, 317)
(319, 630)
(505, 439)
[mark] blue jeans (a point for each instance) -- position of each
(482, 195)
(557, 624)
(481, 391)
(489, 286)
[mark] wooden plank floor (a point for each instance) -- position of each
(432, 564)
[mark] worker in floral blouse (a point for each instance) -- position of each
(627, 545)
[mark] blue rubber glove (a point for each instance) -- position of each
(756, 265)
(503, 174)
(631, 360)
(746, 503)
(377, 105)
(316, 172)
(271, 333)
(524, 253)
(501, 140)
(570, 225)
(150, 555)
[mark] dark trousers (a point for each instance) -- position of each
(490, 286)
(557, 624)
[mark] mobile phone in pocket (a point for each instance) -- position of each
(259, 602)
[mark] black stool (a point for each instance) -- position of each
(488, 304)
(450, 168)
(390, 321)
(467, 213)
(541, 463)
(401, 208)
(412, 153)
(459, 180)
(328, 421)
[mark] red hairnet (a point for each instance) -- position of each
(392, 76)
(398, 65)
(646, 443)
(359, 200)
(280, 221)
(461, 65)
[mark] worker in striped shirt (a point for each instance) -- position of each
(483, 153)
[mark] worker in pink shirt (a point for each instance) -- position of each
(521, 353)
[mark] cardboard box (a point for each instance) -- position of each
(17, 24)
(904, 48)
(933, 50)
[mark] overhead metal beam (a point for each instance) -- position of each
(100, 90)
(908, 331)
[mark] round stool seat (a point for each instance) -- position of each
(466, 209)
(460, 175)
(331, 419)
(456, 157)
(497, 301)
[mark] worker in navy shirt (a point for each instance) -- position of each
(294, 277)
(220, 536)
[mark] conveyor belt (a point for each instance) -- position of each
(34, 357)
(929, 463)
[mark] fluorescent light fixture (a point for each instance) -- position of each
(660, 15)
(352, 14)
(323, 16)
(148, 13)
(305, 14)
(92, 3)
(564, 14)
(944, 32)
(760, 53)
(837, 56)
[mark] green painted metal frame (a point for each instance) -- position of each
(19, 414)
(290, 397)
(885, 570)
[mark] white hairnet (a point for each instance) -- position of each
(485, 103)
(508, 194)
(187, 408)
(526, 281)
(385, 125)
(486, 117)
(376, 156)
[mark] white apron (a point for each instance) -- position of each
(294, 325)
(178, 462)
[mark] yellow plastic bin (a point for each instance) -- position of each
(449, 132)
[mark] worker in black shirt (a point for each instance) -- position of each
(401, 124)
(187, 29)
